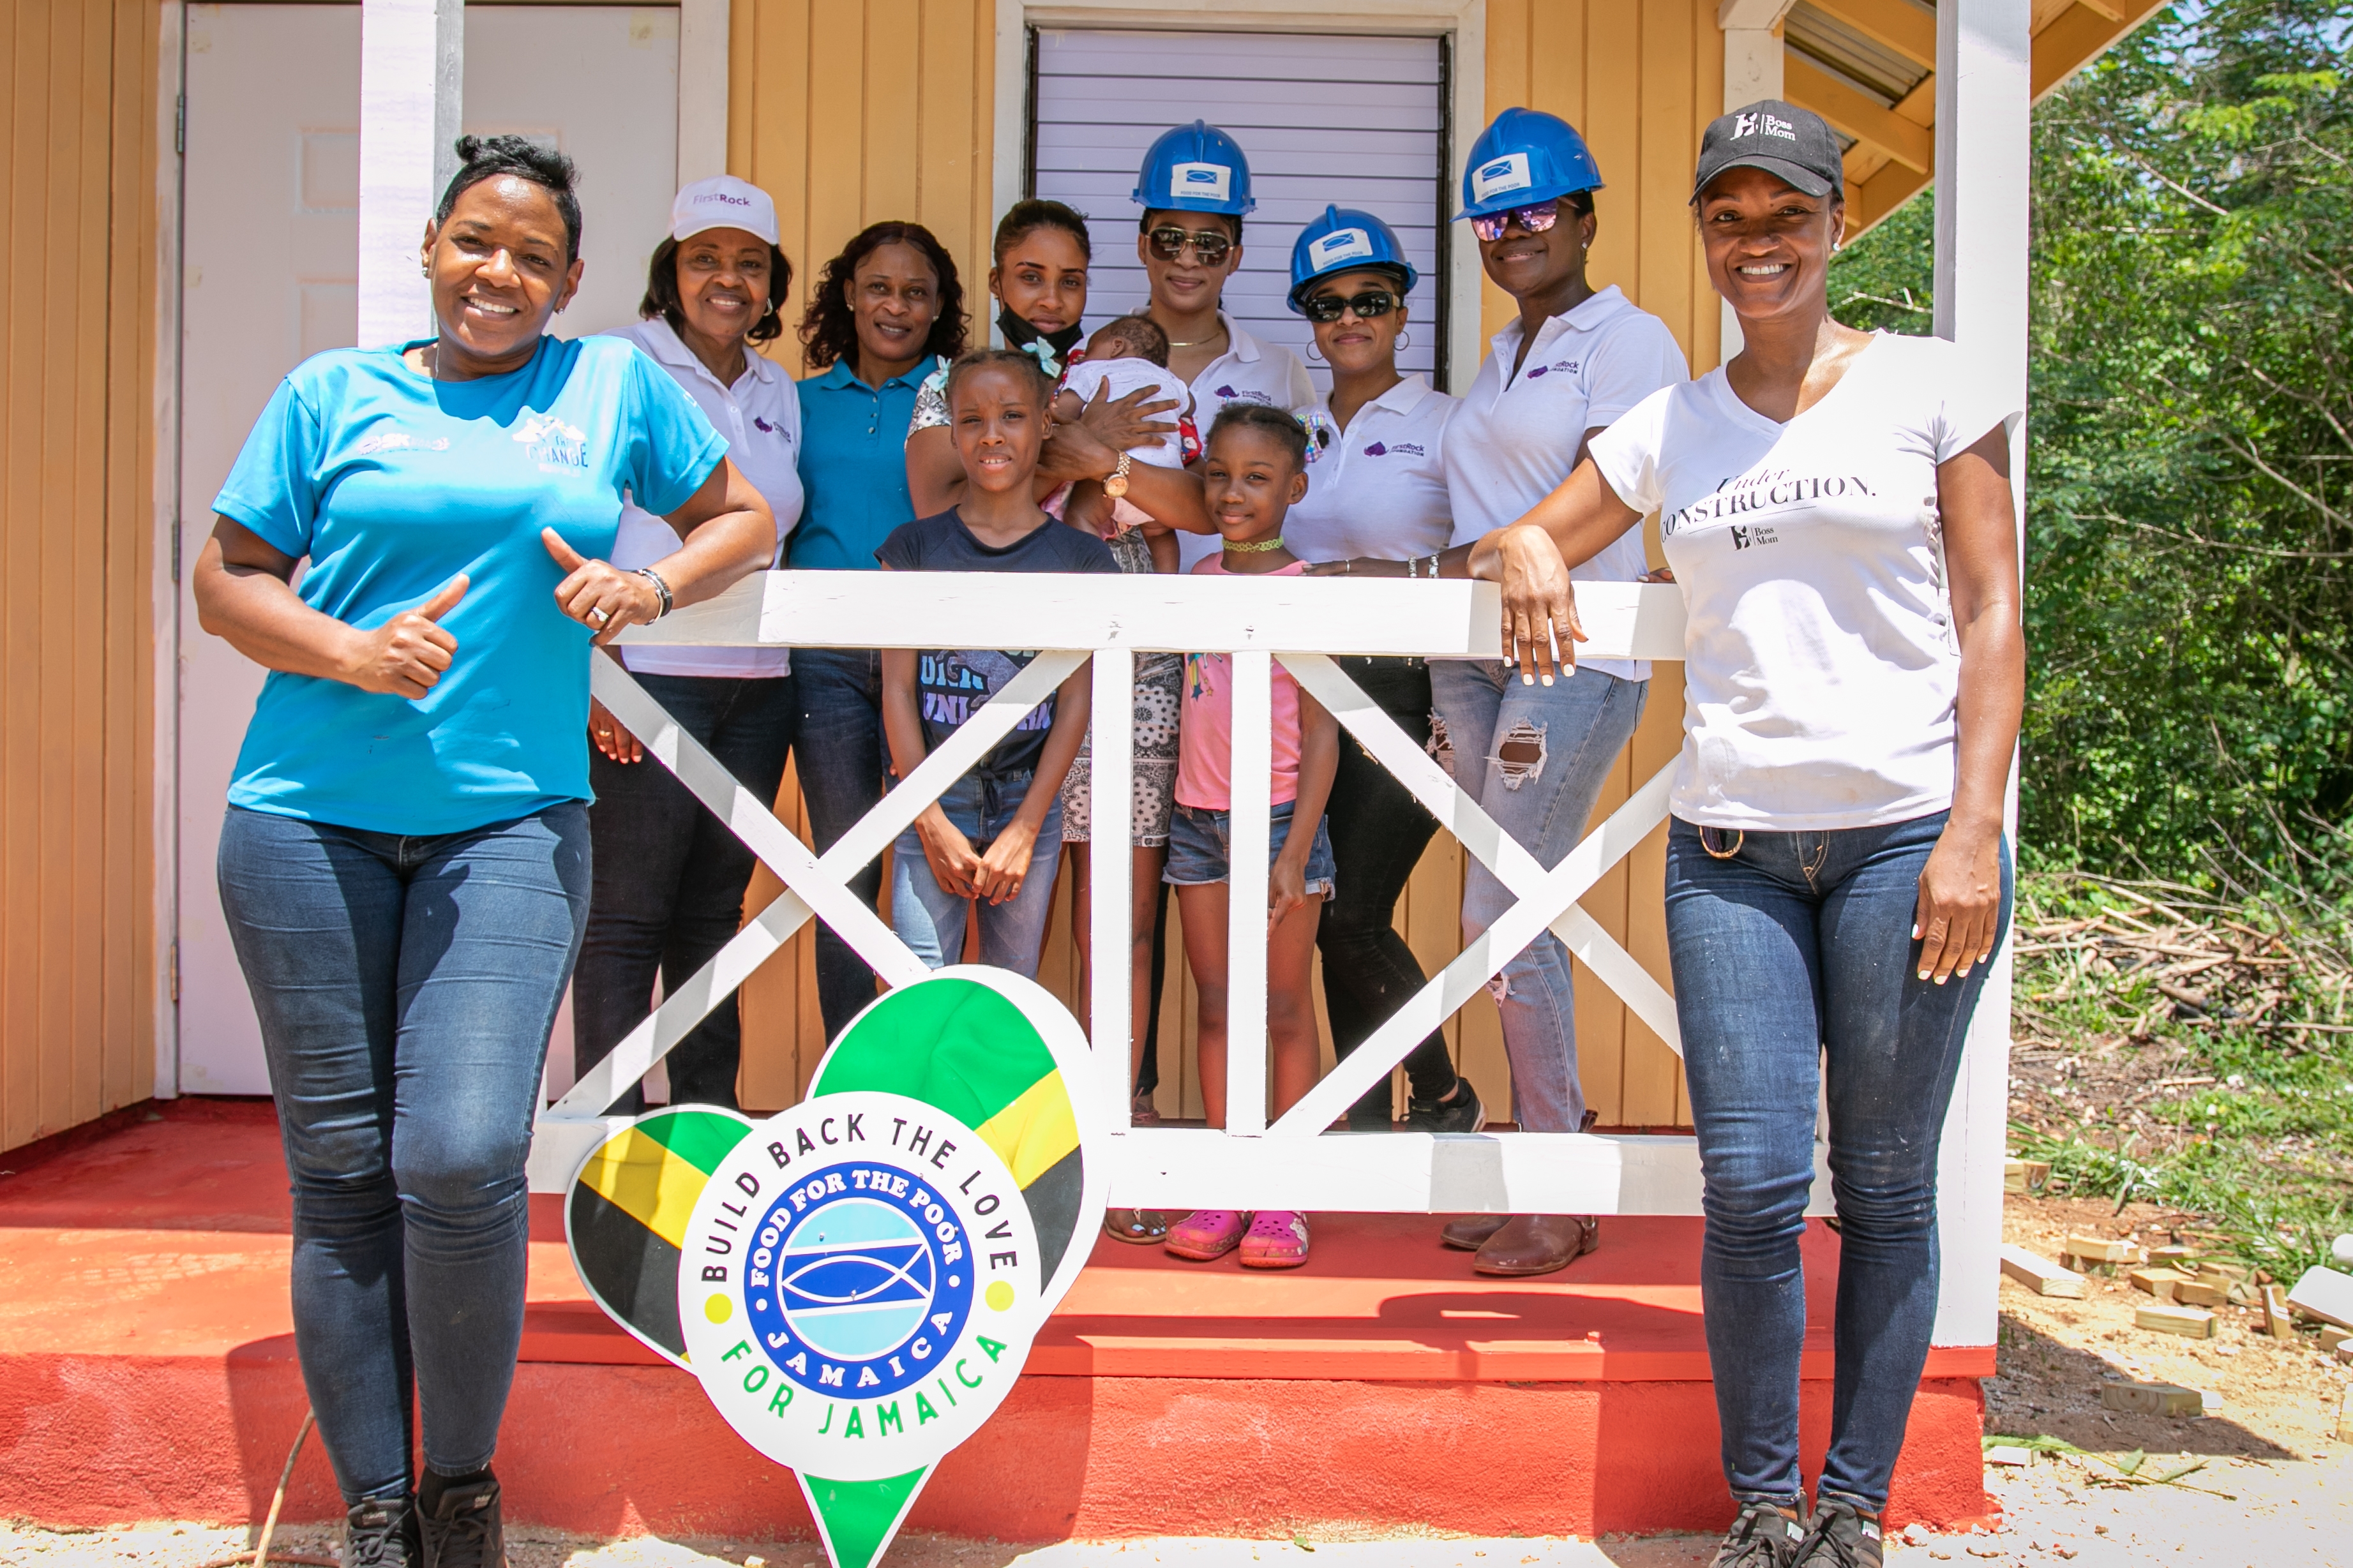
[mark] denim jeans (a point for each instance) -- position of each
(1795, 953)
(671, 879)
(933, 920)
(1575, 728)
(1378, 832)
(405, 988)
(839, 756)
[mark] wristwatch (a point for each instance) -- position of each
(1116, 486)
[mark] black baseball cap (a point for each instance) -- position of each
(1777, 137)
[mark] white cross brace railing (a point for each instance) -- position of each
(1293, 1162)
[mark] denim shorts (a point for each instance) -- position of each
(1200, 842)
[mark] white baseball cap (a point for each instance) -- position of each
(722, 201)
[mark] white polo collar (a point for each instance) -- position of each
(1405, 396)
(661, 339)
(1240, 344)
(1606, 304)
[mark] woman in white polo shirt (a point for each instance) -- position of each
(1536, 756)
(1837, 508)
(1375, 488)
(669, 875)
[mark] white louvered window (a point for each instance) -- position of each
(1344, 120)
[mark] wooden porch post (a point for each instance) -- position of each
(1983, 149)
(412, 88)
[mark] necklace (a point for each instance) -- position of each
(1196, 343)
(1255, 547)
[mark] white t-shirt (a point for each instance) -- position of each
(1514, 439)
(1247, 372)
(760, 416)
(1821, 665)
(1122, 376)
(1378, 490)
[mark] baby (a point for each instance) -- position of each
(1124, 355)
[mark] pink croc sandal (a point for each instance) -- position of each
(1207, 1235)
(1277, 1239)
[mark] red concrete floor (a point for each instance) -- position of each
(147, 1371)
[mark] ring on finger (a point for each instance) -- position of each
(602, 615)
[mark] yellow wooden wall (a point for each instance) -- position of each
(854, 110)
(77, 283)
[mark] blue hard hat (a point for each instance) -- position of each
(1344, 239)
(1195, 168)
(1525, 157)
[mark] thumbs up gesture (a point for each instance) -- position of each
(406, 656)
(599, 594)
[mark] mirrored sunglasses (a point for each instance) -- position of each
(1534, 219)
(1372, 303)
(1209, 245)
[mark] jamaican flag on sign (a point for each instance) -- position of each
(626, 1214)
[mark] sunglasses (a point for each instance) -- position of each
(1372, 303)
(1534, 219)
(1209, 245)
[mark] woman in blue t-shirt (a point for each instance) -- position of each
(405, 864)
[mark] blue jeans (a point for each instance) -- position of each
(1535, 758)
(933, 920)
(405, 988)
(838, 752)
(671, 879)
(1202, 847)
(1795, 949)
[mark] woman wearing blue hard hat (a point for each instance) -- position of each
(1195, 187)
(1378, 490)
(1536, 756)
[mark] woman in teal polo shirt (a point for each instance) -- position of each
(405, 865)
(885, 313)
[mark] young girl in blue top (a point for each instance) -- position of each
(405, 865)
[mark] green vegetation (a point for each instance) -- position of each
(2189, 559)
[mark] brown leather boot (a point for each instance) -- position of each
(1538, 1244)
(1470, 1234)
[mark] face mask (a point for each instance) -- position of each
(1051, 348)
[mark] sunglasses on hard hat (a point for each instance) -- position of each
(1209, 245)
(1535, 219)
(1372, 303)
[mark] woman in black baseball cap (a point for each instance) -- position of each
(1836, 508)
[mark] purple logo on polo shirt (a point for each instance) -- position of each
(1377, 451)
(1568, 365)
(1227, 392)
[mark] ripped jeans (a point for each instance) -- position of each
(1543, 752)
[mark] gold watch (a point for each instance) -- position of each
(1116, 486)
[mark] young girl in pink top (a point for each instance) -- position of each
(1253, 471)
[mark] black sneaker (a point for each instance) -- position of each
(1463, 1114)
(1843, 1536)
(1762, 1537)
(463, 1531)
(382, 1533)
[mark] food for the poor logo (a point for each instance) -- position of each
(863, 1280)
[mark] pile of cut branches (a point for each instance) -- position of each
(2131, 954)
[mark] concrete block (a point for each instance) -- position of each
(2039, 1275)
(2195, 1322)
(2324, 1294)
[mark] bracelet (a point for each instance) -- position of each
(1433, 565)
(650, 575)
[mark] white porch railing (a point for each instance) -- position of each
(1251, 1163)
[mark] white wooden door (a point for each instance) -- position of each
(1348, 119)
(270, 278)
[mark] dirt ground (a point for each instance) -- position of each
(2272, 1485)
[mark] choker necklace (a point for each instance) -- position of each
(1256, 547)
